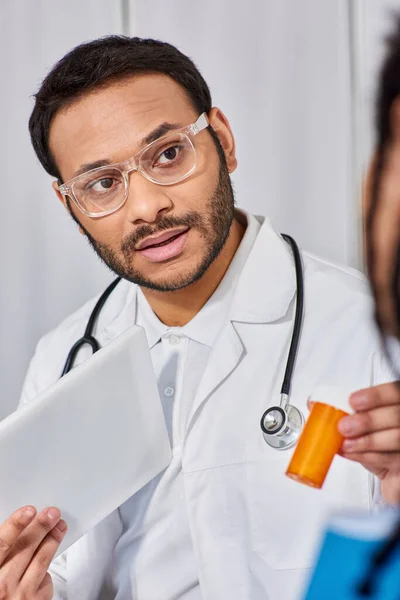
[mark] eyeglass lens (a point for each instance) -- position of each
(167, 161)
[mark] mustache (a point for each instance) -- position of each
(189, 220)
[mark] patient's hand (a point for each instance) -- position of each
(372, 435)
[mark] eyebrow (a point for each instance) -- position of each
(90, 166)
(159, 132)
(154, 135)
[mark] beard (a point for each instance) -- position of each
(213, 225)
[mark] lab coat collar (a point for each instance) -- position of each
(118, 314)
(265, 288)
(206, 325)
(267, 284)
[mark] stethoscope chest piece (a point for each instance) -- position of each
(282, 427)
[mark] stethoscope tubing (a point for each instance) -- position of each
(89, 339)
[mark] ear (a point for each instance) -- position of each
(220, 125)
(63, 200)
(59, 195)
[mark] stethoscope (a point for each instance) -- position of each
(281, 425)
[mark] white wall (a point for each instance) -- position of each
(293, 76)
(47, 271)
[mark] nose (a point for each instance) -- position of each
(146, 200)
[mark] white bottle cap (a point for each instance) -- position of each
(334, 395)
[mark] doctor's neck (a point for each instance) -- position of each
(177, 308)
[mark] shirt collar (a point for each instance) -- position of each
(146, 318)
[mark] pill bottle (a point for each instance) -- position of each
(320, 439)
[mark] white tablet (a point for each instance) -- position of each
(90, 441)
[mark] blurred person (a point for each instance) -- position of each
(142, 163)
(354, 562)
(382, 216)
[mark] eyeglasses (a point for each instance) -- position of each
(166, 161)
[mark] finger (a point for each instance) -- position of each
(362, 423)
(12, 529)
(387, 394)
(28, 542)
(380, 441)
(46, 590)
(35, 574)
(47, 581)
(46, 584)
(378, 463)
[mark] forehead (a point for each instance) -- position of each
(109, 123)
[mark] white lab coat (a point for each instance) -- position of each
(254, 531)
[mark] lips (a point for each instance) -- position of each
(160, 239)
(164, 247)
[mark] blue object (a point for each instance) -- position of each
(359, 559)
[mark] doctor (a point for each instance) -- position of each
(142, 163)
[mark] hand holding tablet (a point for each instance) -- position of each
(85, 446)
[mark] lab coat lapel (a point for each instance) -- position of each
(225, 356)
(263, 294)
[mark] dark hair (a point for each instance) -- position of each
(387, 92)
(99, 62)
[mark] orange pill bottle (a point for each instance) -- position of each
(320, 439)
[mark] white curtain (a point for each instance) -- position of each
(281, 71)
(297, 81)
(293, 76)
(374, 20)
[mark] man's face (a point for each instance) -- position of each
(194, 215)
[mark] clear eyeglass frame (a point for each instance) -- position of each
(134, 164)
